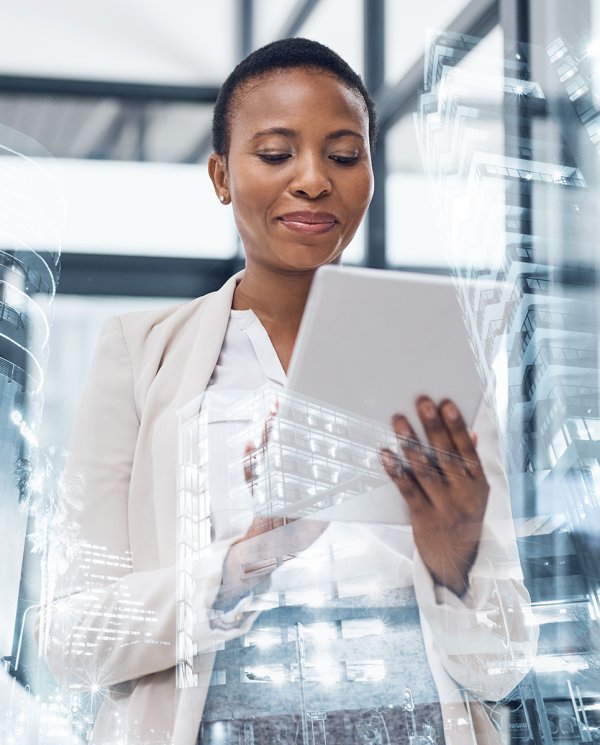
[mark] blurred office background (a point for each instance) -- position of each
(487, 166)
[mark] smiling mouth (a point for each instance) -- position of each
(309, 222)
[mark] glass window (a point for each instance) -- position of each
(425, 226)
(354, 628)
(593, 426)
(406, 31)
(183, 43)
(270, 18)
(263, 637)
(338, 24)
(365, 671)
(264, 674)
(151, 209)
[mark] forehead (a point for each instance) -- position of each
(296, 97)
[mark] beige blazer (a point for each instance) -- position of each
(112, 624)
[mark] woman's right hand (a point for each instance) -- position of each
(268, 542)
(266, 545)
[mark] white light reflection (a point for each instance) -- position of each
(320, 633)
(314, 599)
(17, 419)
(326, 673)
(559, 664)
(593, 48)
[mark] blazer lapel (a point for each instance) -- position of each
(205, 329)
(210, 332)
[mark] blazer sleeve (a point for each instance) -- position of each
(104, 623)
(487, 639)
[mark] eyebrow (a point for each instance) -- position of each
(286, 132)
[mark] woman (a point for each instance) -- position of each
(293, 132)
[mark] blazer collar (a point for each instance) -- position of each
(211, 327)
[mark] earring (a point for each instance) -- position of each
(222, 197)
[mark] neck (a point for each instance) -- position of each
(278, 299)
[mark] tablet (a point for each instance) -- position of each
(372, 341)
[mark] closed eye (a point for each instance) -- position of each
(274, 157)
(345, 160)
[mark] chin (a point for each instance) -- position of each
(307, 258)
(308, 266)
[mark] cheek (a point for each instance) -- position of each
(361, 195)
(255, 191)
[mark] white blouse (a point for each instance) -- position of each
(248, 359)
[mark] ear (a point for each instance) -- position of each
(217, 170)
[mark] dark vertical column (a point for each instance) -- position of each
(518, 129)
(245, 45)
(245, 27)
(374, 51)
(515, 20)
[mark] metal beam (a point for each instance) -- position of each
(477, 19)
(246, 27)
(245, 45)
(374, 44)
(297, 19)
(514, 17)
(139, 92)
(201, 150)
(374, 64)
(142, 276)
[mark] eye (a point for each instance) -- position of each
(274, 157)
(345, 160)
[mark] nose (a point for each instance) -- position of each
(310, 179)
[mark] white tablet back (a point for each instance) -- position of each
(373, 341)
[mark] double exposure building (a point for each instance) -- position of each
(327, 658)
(30, 213)
(542, 316)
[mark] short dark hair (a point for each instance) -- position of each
(282, 55)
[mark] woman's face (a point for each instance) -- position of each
(298, 171)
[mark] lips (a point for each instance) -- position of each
(308, 222)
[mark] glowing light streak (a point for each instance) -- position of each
(17, 419)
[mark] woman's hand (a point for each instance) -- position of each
(445, 488)
(267, 544)
(269, 541)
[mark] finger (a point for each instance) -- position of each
(462, 439)
(268, 426)
(418, 459)
(249, 461)
(264, 544)
(445, 452)
(474, 438)
(263, 524)
(409, 488)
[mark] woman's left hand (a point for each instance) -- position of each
(445, 488)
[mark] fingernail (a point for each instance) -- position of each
(401, 425)
(451, 411)
(427, 408)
